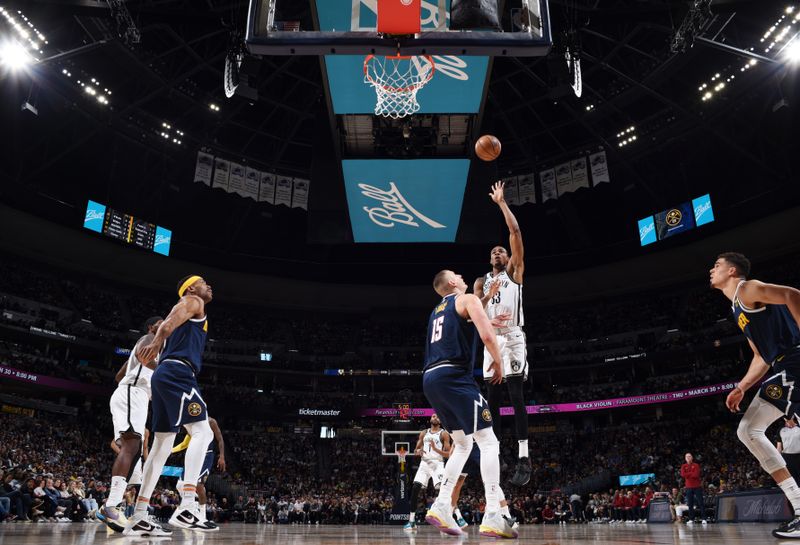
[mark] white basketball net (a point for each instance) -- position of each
(396, 81)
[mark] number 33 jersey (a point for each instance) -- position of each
(506, 301)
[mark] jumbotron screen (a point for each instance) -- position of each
(127, 228)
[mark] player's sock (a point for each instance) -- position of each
(504, 511)
(188, 494)
(141, 507)
(792, 491)
(457, 513)
(523, 448)
(452, 469)
(490, 467)
(117, 491)
(202, 514)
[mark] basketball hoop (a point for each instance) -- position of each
(396, 81)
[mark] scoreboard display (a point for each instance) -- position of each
(127, 228)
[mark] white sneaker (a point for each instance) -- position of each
(497, 525)
(442, 518)
(188, 516)
(142, 527)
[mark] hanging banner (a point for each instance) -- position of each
(548, 179)
(580, 175)
(236, 183)
(300, 194)
(221, 173)
(283, 191)
(204, 168)
(510, 190)
(599, 168)
(252, 179)
(267, 191)
(527, 189)
(563, 178)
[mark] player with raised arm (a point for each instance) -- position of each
(501, 294)
(769, 316)
(177, 402)
(208, 463)
(433, 446)
(452, 391)
(128, 405)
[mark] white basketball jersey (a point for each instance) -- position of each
(506, 301)
(428, 454)
(136, 374)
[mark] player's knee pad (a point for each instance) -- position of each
(487, 442)
(752, 432)
(200, 432)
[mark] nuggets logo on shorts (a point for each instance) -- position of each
(774, 391)
(486, 415)
(194, 409)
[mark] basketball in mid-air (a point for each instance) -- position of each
(487, 148)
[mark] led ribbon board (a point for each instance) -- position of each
(415, 200)
(678, 219)
(457, 84)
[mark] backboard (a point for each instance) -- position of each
(350, 27)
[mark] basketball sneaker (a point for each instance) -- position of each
(498, 525)
(114, 517)
(442, 518)
(410, 527)
(141, 527)
(187, 517)
(788, 530)
(522, 474)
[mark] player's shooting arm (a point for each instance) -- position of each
(753, 292)
(516, 264)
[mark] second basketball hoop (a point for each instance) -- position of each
(396, 81)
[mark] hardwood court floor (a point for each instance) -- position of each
(252, 534)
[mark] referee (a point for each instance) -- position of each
(789, 446)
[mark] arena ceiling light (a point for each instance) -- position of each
(170, 133)
(792, 51)
(92, 87)
(14, 55)
(626, 136)
(25, 32)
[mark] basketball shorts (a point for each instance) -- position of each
(430, 470)
(176, 397)
(454, 395)
(779, 388)
(473, 466)
(129, 410)
(514, 354)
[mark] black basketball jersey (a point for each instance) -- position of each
(772, 328)
(451, 338)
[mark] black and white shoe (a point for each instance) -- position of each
(186, 517)
(788, 530)
(522, 475)
(144, 527)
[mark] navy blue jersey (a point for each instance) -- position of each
(451, 339)
(772, 328)
(187, 343)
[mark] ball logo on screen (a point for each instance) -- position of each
(394, 208)
(646, 230)
(94, 215)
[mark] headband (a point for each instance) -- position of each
(189, 281)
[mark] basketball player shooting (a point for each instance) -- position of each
(501, 294)
(177, 402)
(769, 316)
(128, 406)
(433, 446)
(452, 391)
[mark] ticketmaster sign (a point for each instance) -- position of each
(416, 200)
